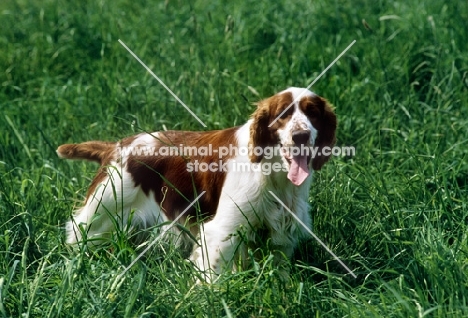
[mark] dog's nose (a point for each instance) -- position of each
(301, 137)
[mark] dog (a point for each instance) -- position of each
(153, 178)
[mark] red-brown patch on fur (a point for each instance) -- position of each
(323, 119)
(267, 110)
(167, 177)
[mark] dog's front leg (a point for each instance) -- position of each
(218, 244)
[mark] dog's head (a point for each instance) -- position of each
(294, 119)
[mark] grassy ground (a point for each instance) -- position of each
(396, 212)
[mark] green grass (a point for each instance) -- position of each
(396, 213)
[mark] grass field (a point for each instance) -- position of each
(396, 213)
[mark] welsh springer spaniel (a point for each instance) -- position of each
(149, 179)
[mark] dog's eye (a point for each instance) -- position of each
(312, 111)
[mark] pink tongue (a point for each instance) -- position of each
(298, 171)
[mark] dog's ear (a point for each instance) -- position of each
(260, 135)
(326, 129)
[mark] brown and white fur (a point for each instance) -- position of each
(140, 191)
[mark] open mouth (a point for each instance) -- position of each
(298, 164)
(289, 157)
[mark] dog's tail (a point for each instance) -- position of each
(98, 151)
